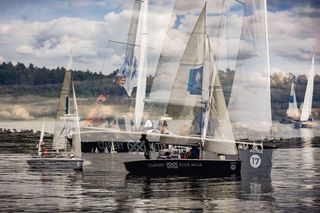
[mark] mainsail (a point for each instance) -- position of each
(59, 142)
(196, 96)
(130, 64)
(293, 111)
(67, 120)
(307, 104)
(142, 71)
(250, 101)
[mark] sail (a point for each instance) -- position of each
(59, 142)
(190, 78)
(41, 138)
(76, 137)
(250, 103)
(142, 70)
(130, 64)
(194, 100)
(220, 128)
(307, 103)
(293, 111)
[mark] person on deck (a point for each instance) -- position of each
(117, 101)
(44, 149)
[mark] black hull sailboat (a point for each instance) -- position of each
(183, 167)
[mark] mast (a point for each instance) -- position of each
(268, 60)
(205, 99)
(142, 70)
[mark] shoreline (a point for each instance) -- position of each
(25, 141)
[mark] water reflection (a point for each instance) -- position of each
(104, 186)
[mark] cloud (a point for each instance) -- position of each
(17, 112)
(25, 49)
(46, 41)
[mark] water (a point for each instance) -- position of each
(294, 185)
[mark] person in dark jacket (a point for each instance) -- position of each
(113, 102)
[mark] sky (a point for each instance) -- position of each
(43, 32)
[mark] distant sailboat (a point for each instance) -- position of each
(67, 126)
(306, 119)
(133, 67)
(293, 113)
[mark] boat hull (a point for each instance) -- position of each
(56, 163)
(304, 124)
(182, 167)
(256, 164)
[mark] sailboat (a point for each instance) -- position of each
(293, 113)
(306, 120)
(196, 93)
(134, 69)
(67, 129)
(250, 102)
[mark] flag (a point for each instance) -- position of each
(290, 99)
(195, 81)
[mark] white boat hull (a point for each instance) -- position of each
(56, 163)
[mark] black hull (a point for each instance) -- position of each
(287, 120)
(256, 164)
(185, 168)
(299, 125)
(56, 163)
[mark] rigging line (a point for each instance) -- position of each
(134, 45)
(227, 26)
(240, 2)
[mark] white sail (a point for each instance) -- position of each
(142, 70)
(190, 97)
(307, 103)
(59, 142)
(190, 79)
(222, 129)
(41, 138)
(250, 102)
(293, 111)
(76, 137)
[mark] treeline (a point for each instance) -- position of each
(19, 74)
(19, 80)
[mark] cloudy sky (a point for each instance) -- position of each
(43, 32)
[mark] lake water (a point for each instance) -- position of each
(293, 185)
